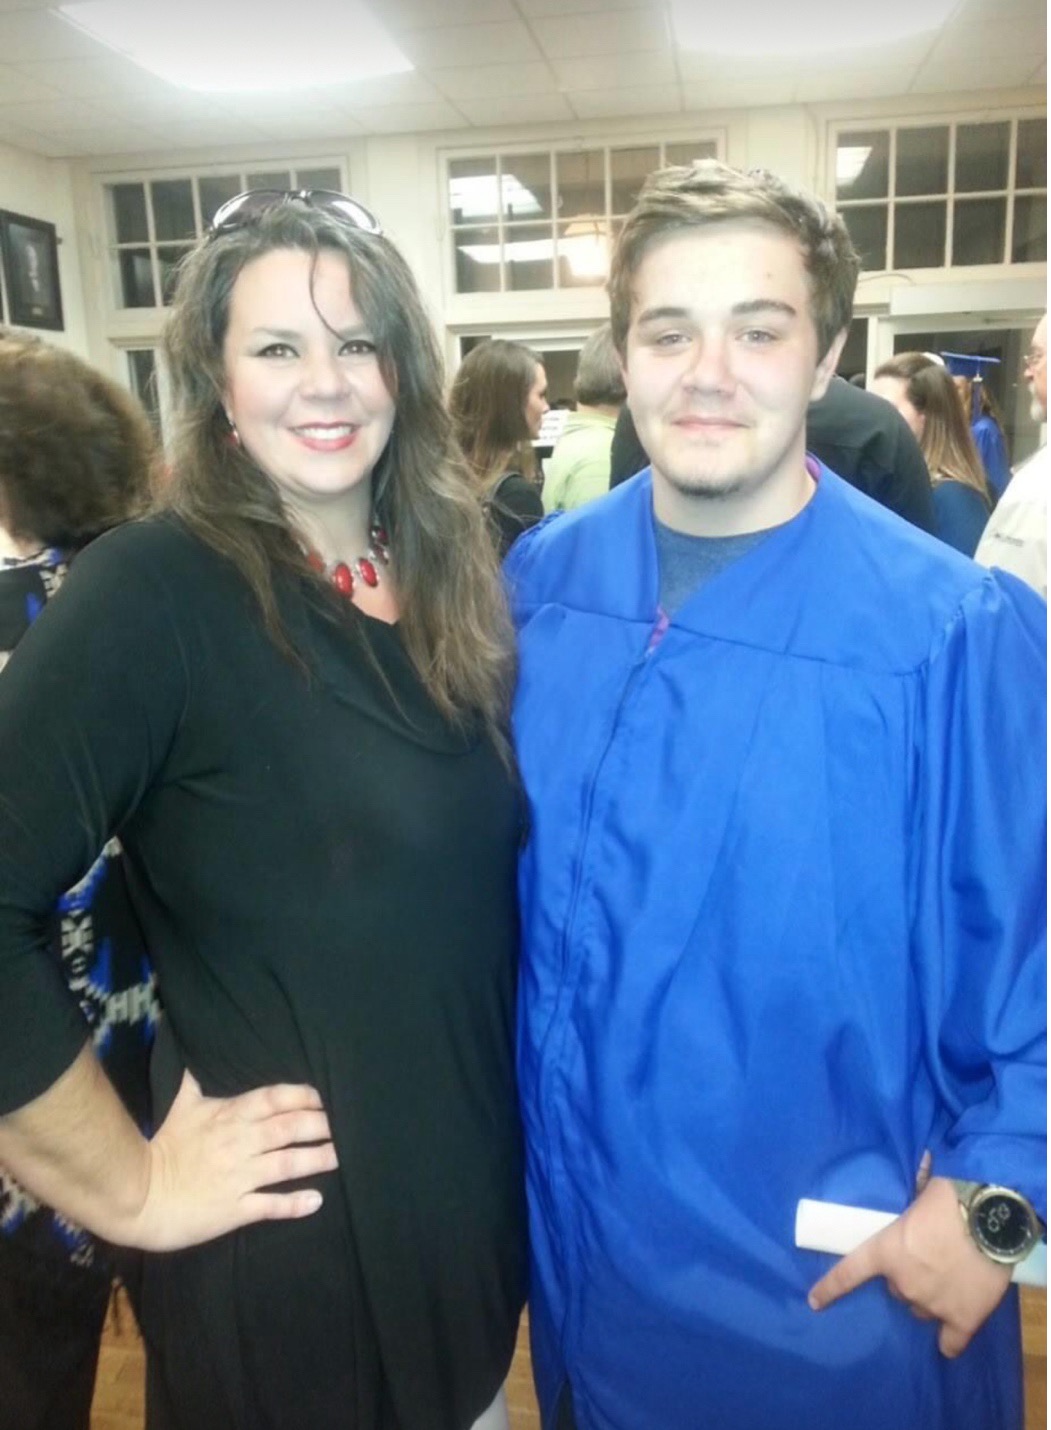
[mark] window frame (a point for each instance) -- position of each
(892, 202)
(116, 309)
(714, 135)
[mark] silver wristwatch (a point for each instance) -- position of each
(1002, 1224)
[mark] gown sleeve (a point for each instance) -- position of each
(90, 702)
(980, 931)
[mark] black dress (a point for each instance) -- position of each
(325, 872)
(513, 506)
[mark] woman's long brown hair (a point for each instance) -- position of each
(453, 616)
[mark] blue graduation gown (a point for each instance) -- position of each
(784, 928)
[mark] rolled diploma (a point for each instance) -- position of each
(833, 1227)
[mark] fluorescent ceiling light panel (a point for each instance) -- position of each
(231, 46)
(756, 29)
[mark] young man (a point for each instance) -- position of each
(783, 901)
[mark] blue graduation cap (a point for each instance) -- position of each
(968, 364)
(971, 366)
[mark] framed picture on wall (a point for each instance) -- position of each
(29, 250)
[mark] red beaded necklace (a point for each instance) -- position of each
(342, 573)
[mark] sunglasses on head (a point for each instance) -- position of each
(247, 208)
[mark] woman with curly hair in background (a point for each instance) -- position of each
(76, 452)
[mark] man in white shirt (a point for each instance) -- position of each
(1015, 538)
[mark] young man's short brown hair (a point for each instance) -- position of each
(676, 200)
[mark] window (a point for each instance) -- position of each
(944, 195)
(153, 223)
(545, 219)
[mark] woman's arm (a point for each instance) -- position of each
(76, 1148)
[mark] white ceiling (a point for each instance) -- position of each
(484, 63)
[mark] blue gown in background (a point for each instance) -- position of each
(960, 515)
(784, 928)
(992, 448)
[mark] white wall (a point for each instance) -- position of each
(43, 188)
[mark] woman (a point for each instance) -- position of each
(987, 429)
(923, 392)
(306, 692)
(498, 401)
(75, 456)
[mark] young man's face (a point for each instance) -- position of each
(720, 363)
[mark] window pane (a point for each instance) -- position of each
(136, 278)
(978, 229)
(214, 191)
(167, 259)
(478, 260)
(628, 170)
(473, 192)
(919, 235)
(129, 213)
(583, 254)
(319, 179)
(528, 254)
(173, 208)
(581, 183)
(868, 229)
(270, 179)
(1029, 244)
(981, 157)
(687, 153)
(525, 181)
(1031, 165)
(142, 368)
(863, 165)
(922, 165)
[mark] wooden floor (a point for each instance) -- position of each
(119, 1394)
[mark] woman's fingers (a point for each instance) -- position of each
(284, 1129)
(292, 1164)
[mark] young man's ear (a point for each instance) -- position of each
(826, 368)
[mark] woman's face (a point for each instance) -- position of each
(304, 389)
(536, 402)
(896, 392)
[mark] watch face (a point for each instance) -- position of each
(1002, 1224)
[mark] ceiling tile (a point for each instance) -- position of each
(535, 9)
(852, 84)
(732, 92)
(454, 45)
(19, 88)
(618, 32)
(607, 104)
(401, 15)
(39, 35)
(516, 109)
(408, 88)
(611, 72)
(965, 73)
(104, 76)
(496, 81)
(406, 118)
(54, 115)
(1020, 37)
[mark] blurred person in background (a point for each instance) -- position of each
(76, 453)
(922, 390)
(578, 470)
(1016, 536)
(498, 401)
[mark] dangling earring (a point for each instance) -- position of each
(234, 437)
